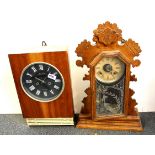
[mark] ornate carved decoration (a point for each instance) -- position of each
(107, 34)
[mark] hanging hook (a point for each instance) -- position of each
(44, 43)
(123, 41)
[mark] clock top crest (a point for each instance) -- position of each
(107, 37)
(109, 45)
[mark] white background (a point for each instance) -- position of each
(63, 23)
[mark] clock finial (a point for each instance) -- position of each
(107, 34)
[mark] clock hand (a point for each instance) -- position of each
(39, 80)
(45, 78)
(39, 75)
(43, 82)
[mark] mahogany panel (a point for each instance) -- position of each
(61, 107)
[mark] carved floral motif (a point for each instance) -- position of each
(107, 34)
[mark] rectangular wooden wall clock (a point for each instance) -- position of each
(109, 104)
(43, 86)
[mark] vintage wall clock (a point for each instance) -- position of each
(109, 103)
(43, 85)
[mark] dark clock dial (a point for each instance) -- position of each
(42, 81)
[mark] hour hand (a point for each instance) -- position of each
(39, 80)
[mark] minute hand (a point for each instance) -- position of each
(40, 80)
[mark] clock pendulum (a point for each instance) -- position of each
(109, 104)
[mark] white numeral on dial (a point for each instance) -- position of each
(32, 87)
(41, 67)
(45, 93)
(57, 80)
(38, 92)
(34, 69)
(28, 81)
(55, 73)
(56, 87)
(48, 69)
(51, 91)
(28, 74)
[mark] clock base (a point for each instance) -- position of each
(49, 121)
(130, 123)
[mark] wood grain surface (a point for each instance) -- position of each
(59, 108)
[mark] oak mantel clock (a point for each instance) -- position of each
(44, 87)
(109, 104)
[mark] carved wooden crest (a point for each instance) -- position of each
(108, 37)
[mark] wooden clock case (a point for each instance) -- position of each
(109, 42)
(57, 112)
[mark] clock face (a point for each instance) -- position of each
(109, 70)
(42, 81)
